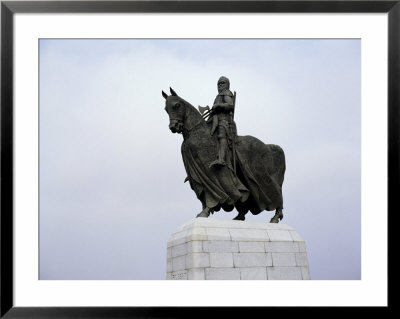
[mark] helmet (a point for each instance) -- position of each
(226, 80)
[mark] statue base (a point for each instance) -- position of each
(212, 249)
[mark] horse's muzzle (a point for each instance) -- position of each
(175, 126)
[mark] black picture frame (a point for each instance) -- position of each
(9, 8)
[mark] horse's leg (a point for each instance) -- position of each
(242, 210)
(205, 212)
(278, 216)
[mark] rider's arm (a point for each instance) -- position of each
(227, 106)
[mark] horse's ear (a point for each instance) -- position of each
(173, 92)
(165, 95)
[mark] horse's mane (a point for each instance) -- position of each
(193, 110)
(187, 103)
(193, 118)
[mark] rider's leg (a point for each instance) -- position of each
(223, 145)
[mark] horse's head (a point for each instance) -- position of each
(175, 107)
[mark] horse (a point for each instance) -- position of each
(254, 181)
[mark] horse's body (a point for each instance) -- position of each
(253, 183)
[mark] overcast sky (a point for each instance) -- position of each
(111, 172)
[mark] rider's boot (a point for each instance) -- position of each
(220, 161)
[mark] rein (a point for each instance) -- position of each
(193, 127)
(189, 129)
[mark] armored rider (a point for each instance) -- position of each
(223, 124)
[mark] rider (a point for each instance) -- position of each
(222, 119)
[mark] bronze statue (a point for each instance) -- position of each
(225, 170)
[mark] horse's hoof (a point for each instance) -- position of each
(274, 220)
(201, 215)
(204, 213)
(239, 217)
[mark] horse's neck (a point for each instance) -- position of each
(193, 120)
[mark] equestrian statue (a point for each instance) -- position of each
(226, 170)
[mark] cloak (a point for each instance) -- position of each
(256, 185)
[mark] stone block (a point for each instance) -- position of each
(220, 246)
(197, 260)
(177, 238)
(196, 274)
(252, 259)
(179, 250)
(222, 273)
(279, 235)
(252, 247)
(179, 263)
(295, 236)
(219, 223)
(249, 234)
(196, 234)
(283, 259)
(284, 273)
(302, 247)
(195, 246)
(305, 273)
(253, 273)
(301, 259)
(169, 265)
(221, 260)
(281, 247)
(218, 234)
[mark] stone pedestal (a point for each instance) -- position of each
(212, 249)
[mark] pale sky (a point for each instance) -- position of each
(111, 172)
